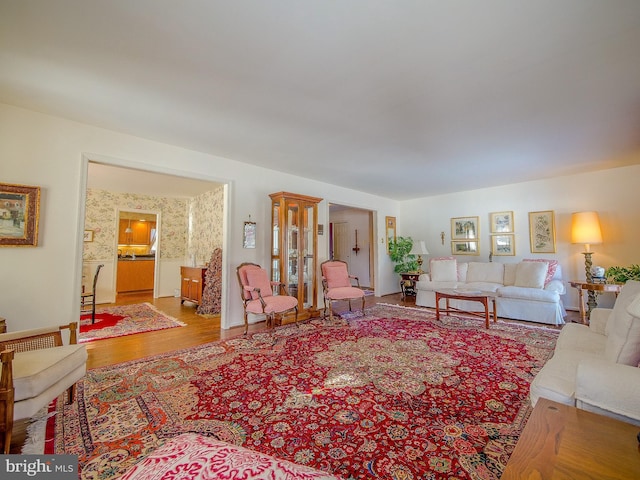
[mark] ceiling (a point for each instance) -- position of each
(402, 98)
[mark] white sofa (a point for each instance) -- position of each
(529, 290)
(595, 367)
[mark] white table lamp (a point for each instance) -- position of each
(419, 248)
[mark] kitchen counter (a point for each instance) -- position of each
(135, 274)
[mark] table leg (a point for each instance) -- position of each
(485, 302)
(495, 310)
(583, 315)
(437, 306)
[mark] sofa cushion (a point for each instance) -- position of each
(531, 274)
(580, 338)
(510, 274)
(552, 266)
(337, 275)
(444, 270)
(462, 269)
(623, 329)
(524, 293)
(485, 272)
(34, 371)
(480, 286)
(194, 456)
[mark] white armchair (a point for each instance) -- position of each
(596, 367)
(36, 369)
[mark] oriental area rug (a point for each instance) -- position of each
(124, 320)
(393, 394)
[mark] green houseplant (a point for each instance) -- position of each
(399, 252)
(622, 274)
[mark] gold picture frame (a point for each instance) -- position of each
(501, 222)
(465, 228)
(390, 231)
(542, 231)
(88, 236)
(19, 215)
(470, 247)
(503, 245)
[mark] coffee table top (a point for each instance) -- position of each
(461, 292)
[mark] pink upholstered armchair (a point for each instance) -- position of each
(258, 298)
(336, 284)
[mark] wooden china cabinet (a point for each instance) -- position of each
(294, 248)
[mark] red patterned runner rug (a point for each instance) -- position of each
(124, 320)
(393, 395)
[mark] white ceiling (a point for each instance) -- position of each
(400, 98)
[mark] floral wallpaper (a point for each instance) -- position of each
(205, 218)
(100, 216)
(189, 226)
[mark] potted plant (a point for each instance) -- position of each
(622, 274)
(399, 253)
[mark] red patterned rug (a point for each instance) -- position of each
(124, 320)
(392, 394)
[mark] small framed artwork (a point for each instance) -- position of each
(390, 229)
(465, 228)
(542, 232)
(19, 215)
(88, 236)
(503, 244)
(459, 247)
(501, 222)
(249, 235)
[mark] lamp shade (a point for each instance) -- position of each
(585, 228)
(419, 248)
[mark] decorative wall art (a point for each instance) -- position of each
(88, 236)
(501, 222)
(503, 244)
(465, 228)
(459, 247)
(19, 215)
(249, 235)
(390, 226)
(542, 232)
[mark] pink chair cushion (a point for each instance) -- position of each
(198, 457)
(343, 293)
(258, 278)
(336, 275)
(274, 304)
(243, 278)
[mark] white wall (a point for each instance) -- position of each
(41, 286)
(614, 194)
(357, 219)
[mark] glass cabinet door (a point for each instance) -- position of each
(308, 254)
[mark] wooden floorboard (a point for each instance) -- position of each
(198, 330)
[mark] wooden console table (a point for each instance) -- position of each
(593, 287)
(563, 442)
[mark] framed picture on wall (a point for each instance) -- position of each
(501, 222)
(19, 214)
(459, 247)
(88, 236)
(465, 228)
(542, 232)
(503, 244)
(249, 235)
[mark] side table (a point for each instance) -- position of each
(560, 441)
(593, 287)
(408, 283)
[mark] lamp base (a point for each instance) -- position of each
(591, 295)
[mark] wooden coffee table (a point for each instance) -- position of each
(474, 296)
(563, 442)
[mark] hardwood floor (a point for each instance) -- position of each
(199, 330)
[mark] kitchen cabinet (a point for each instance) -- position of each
(192, 284)
(135, 275)
(140, 232)
(294, 247)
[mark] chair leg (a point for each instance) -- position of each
(71, 394)
(363, 305)
(330, 311)
(246, 324)
(93, 309)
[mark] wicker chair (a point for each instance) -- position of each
(36, 369)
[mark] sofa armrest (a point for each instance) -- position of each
(424, 277)
(556, 286)
(598, 320)
(608, 386)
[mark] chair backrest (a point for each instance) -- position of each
(253, 275)
(335, 273)
(95, 277)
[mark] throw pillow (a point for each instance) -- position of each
(510, 274)
(337, 275)
(443, 270)
(531, 274)
(552, 266)
(258, 278)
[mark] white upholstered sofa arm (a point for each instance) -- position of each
(556, 286)
(598, 319)
(608, 386)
